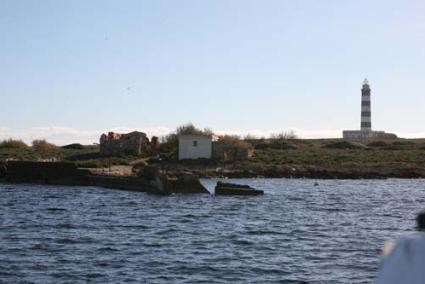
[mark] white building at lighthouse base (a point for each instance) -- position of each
(367, 134)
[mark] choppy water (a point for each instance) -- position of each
(295, 233)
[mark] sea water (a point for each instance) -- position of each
(296, 233)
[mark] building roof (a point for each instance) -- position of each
(194, 136)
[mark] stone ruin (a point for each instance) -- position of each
(231, 152)
(133, 143)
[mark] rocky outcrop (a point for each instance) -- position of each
(235, 189)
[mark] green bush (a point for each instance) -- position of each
(403, 143)
(13, 144)
(43, 145)
(190, 129)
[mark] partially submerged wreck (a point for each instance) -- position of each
(62, 173)
(236, 189)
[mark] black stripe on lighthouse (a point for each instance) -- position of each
(366, 114)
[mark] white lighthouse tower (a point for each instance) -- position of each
(366, 117)
(366, 131)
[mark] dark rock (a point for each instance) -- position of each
(2, 170)
(236, 189)
(150, 172)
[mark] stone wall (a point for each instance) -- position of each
(230, 152)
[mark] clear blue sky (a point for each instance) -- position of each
(229, 65)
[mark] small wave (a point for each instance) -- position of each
(83, 240)
(53, 209)
(335, 209)
(94, 275)
(105, 249)
(261, 232)
(243, 242)
(166, 231)
(287, 281)
(66, 226)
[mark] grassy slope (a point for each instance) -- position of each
(314, 152)
(88, 157)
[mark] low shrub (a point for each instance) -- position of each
(403, 143)
(13, 144)
(234, 140)
(75, 146)
(378, 144)
(278, 145)
(345, 145)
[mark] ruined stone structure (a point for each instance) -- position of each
(133, 143)
(230, 152)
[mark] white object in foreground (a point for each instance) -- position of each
(405, 263)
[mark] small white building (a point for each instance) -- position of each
(195, 146)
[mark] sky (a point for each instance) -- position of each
(70, 70)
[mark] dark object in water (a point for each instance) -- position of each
(187, 183)
(235, 189)
(420, 221)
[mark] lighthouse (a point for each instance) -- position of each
(366, 117)
(365, 131)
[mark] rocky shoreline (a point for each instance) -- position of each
(178, 178)
(150, 180)
(404, 171)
